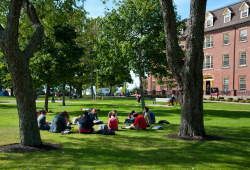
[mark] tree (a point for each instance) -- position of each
(18, 63)
(134, 32)
(187, 70)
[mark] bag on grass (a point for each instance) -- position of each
(163, 122)
(108, 132)
(103, 126)
(157, 127)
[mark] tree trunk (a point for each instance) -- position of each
(80, 89)
(46, 105)
(18, 64)
(92, 84)
(63, 95)
(187, 72)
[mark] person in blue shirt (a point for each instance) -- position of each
(93, 115)
(152, 115)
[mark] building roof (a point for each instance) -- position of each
(218, 20)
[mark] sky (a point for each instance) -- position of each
(96, 8)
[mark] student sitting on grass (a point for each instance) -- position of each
(58, 123)
(41, 121)
(110, 113)
(113, 121)
(86, 124)
(152, 115)
(139, 124)
(147, 117)
(76, 119)
(130, 119)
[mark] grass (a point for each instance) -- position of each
(130, 149)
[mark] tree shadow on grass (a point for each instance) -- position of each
(138, 149)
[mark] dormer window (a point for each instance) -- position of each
(209, 20)
(244, 10)
(227, 15)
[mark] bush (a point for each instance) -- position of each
(222, 99)
(248, 98)
(211, 98)
(242, 101)
(228, 100)
(216, 99)
(231, 98)
(248, 101)
(204, 98)
(235, 100)
(239, 99)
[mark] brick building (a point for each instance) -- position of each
(226, 50)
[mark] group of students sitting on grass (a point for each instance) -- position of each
(61, 122)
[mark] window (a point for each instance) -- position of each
(208, 42)
(209, 20)
(226, 38)
(226, 60)
(227, 17)
(154, 86)
(244, 10)
(242, 84)
(243, 35)
(162, 87)
(225, 84)
(243, 58)
(208, 62)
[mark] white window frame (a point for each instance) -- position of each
(227, 17)
(225, 60)
(243, 58)
(226, 84)
(242, 83)
(244, 10)
(208, 64)
(209, 19)
(208, 42)
(243, 38)
(224, 38)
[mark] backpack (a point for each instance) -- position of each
(106, 132)
(103, 127)
(163, 122)
(157, 127)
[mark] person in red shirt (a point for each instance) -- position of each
(139, 124)
(113, 122)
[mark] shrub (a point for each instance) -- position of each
(235, 100)
(248, 101)
(222, 99)
(204, 98)
(248, 98)
(242, 101)
(239, 99)
(231, 98)
(228, 100)
(216, 99)
(211, 98)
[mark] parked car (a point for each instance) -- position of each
(117, 93)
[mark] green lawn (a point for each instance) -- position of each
(130, 149)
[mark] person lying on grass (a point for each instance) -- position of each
(89, 109)
(86, 124)
(139, 124)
